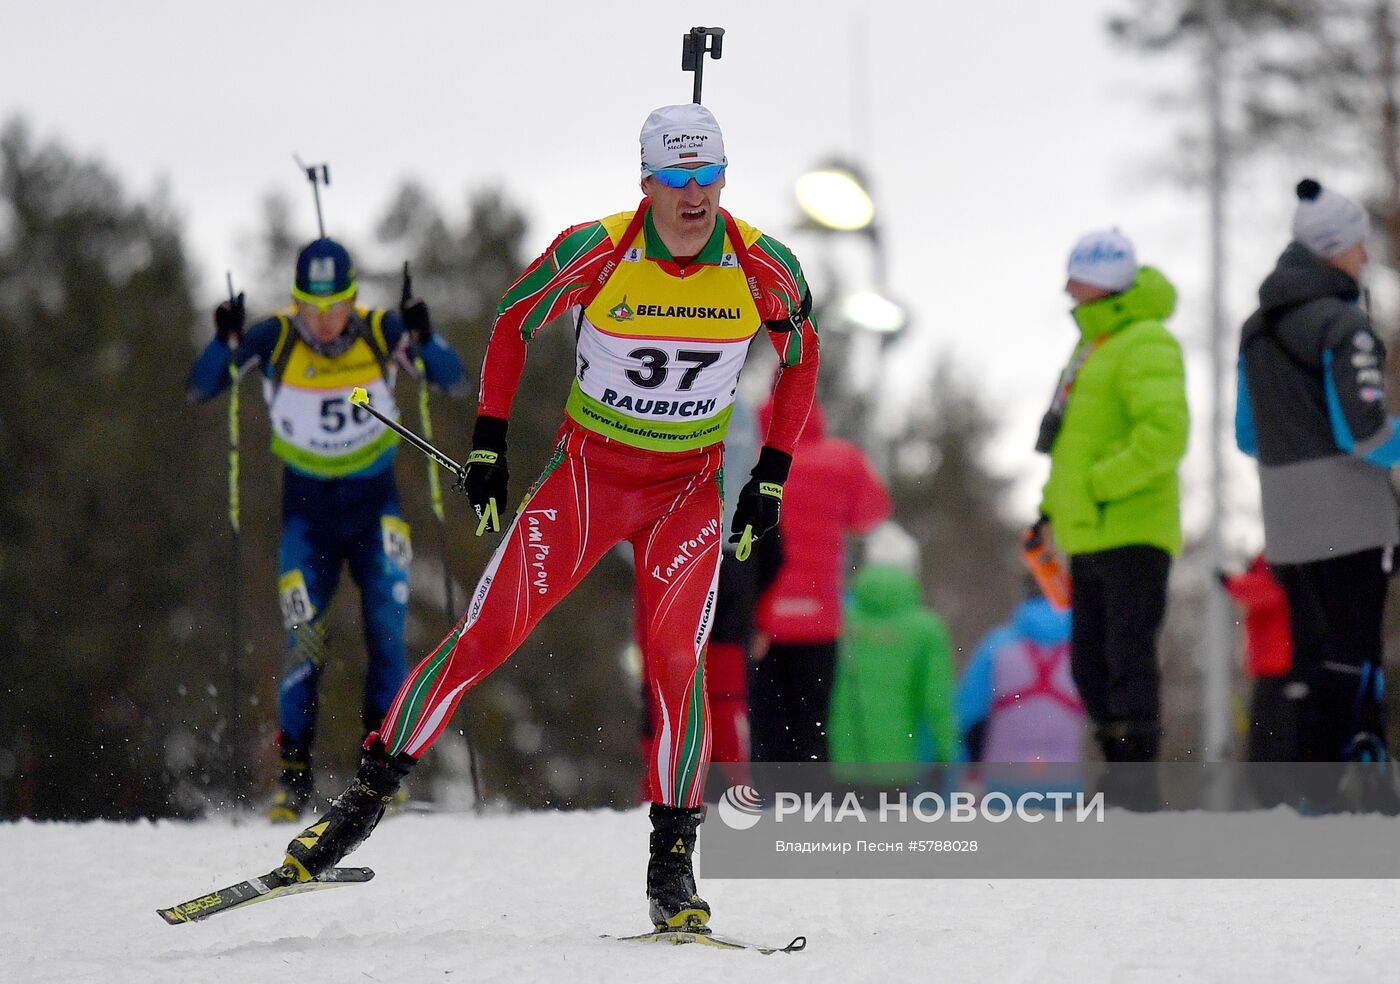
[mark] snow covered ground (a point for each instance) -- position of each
(524, 897)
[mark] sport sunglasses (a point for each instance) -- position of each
(679, 177)
(324, 302)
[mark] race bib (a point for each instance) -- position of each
(398, 546)
(295, 600)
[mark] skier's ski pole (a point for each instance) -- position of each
(426, 422)
(235, 572)
(694, 46)
(316, 179)
(359, 396)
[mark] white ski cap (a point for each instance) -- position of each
(890, 545)
(680, 135)
(1104, 259)
(1327, 222)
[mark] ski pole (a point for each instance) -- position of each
(323, 178)
(694, 46)
(359, 396)
(235, 569)
(426, 422)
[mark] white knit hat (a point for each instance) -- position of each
(1104, 259)
(890, 545)
(680, 135)
(1327, 222)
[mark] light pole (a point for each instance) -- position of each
(835, 199)
(1215, 709)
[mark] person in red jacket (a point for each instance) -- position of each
(832, 491)
(1268, 650)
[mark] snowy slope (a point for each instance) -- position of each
(524, 897)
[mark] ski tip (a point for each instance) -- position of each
(798, 943)
(359, 396)
(172, 916)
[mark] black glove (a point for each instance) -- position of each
(416, 320)
(486, 476)
(760, 500)
(228, 319)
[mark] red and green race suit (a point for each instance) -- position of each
(639, 458)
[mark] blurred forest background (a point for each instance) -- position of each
(120, 685)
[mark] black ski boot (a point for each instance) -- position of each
(353, 814)
(1131, 778)
(296, 791)
(671, 894)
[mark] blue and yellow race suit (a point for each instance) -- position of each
(340, 503)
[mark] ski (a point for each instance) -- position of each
(704, 937)
(281, 881)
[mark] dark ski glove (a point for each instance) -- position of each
(416, 320)
(228, 320)
(486, 475)
(760, 501)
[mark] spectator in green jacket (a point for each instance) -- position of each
(1115, 432)
(894, 680)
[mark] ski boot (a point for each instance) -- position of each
(1130, 779)
(296, 792)
(671, 895)
(1370, 782)
(352, 815)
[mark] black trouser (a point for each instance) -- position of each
(789, 696)
(1273, 722)
(1273, 738)
(1119, 598)
(1335, 611)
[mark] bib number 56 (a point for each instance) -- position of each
(334, 414)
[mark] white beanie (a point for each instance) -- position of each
(1104, 259)
(889, 545)
(1327, 222)
(679, 135)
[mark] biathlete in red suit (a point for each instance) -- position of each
(664, 301)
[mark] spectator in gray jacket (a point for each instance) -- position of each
(1311, 409)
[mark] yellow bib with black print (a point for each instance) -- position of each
(315, 428)
(659, 356)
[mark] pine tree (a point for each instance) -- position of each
(104, 565)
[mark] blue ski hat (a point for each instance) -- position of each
(325, 274)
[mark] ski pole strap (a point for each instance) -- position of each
(233, 457)
(490, 518)
(745, 544)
